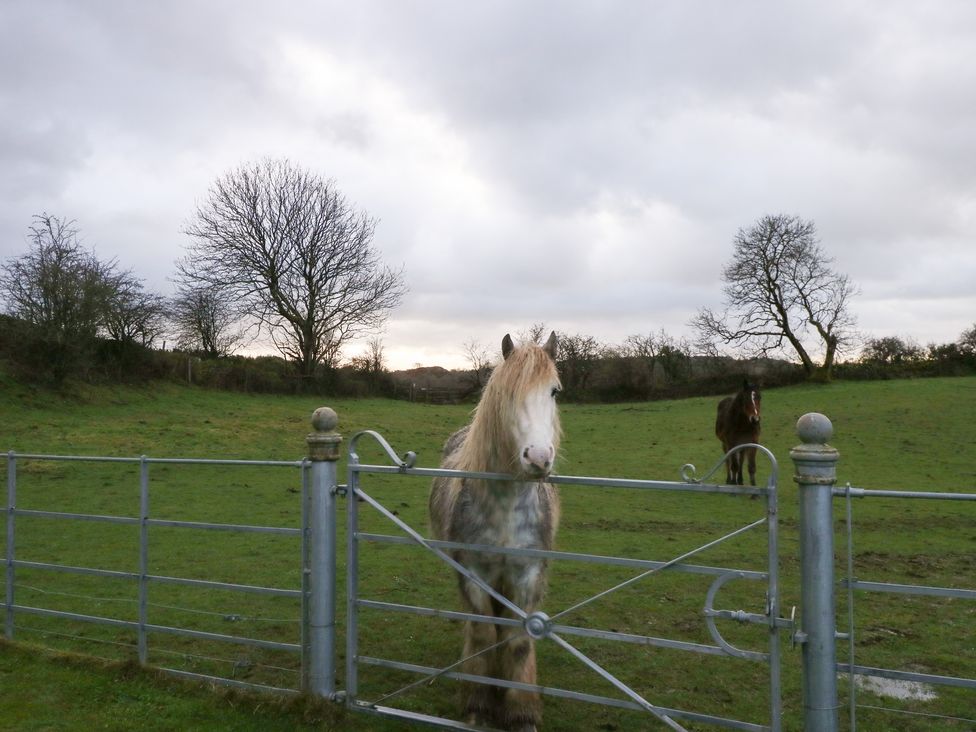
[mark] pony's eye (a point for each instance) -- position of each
(555, 391)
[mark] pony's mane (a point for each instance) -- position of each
(488, 444)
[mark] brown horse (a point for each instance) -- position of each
(737, 423)
(515, 430)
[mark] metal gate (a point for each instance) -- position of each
(552, 628)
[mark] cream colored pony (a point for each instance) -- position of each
(515, 430)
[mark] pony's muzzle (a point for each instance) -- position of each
(537, 461)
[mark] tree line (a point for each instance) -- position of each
(658, 365)
(277, 251)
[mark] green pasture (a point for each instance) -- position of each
(907, 435)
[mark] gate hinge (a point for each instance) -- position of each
(340, 490)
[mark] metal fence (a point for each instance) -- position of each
(316, 649)
(136, 621)
(851, 584)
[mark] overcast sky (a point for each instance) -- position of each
(581, 164)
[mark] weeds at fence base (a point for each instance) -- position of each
(130, 681)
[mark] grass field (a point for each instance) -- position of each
(917, 434)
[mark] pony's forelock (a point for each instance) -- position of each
(526, 368)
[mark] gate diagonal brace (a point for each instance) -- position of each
(457, 566)
(659, 713)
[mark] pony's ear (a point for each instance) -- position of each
(507, 345)
(551, 346)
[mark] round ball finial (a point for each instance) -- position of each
(324, 419)
(814, 429)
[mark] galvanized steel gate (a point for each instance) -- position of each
(548, 628)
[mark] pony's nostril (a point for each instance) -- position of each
(525, 453)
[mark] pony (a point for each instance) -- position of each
(738, 423)
(514, 430)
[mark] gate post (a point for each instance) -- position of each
(323, 453)
(816, 473)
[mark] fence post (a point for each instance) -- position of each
(323, 453)
(816, 473)
(11, 544)
(142, 636)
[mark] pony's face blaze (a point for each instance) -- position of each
(537, 428)
(753, 404)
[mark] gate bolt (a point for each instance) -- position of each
(538, 625)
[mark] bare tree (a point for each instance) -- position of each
(205, 321)
(891, 350)
(642, 351)
(674, 356)
(658, 351)
(577, 357)
(481, 360)
(535, 333)
(371, 361)
(779, 290)
(967, 340)
(134, 315)
(58, 285)
(286, 245)
(62, 291)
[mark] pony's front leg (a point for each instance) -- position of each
(477, 700)
(735, 469)
(520, 710)
(752, 465)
